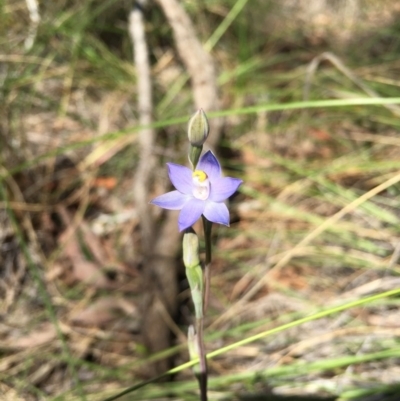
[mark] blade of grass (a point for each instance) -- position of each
(326, 364)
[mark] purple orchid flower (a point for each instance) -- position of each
(199, 192)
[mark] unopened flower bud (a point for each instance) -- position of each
(191, 256)
(194, 272)
(198, 128)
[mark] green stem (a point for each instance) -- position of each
(207, 267)
(194, 274)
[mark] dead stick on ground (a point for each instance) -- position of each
(198, 62)
(146, 135)
(159, 254)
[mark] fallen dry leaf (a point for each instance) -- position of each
(93, 243)
(84, 270)
(105, 182)
(104, 310)
(8, 393)
(45, 334)
(386, 320)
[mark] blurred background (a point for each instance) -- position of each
(93, 296)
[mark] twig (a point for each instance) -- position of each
(34, 15)
(146, 135)
(159, 275)
(198, 62)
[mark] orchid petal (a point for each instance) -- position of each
(222, 188)
(217, 213)
(210, 165)
(181, 177)
(190, 213)
(173, 200)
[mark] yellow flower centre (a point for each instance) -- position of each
(201, 185)
(199, 175)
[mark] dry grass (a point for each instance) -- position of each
(310, 229)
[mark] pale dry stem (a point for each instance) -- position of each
(198, 62)
(146, 134)
(159, 275)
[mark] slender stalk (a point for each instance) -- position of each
(203, 373)
(195, 276)
(207, 267)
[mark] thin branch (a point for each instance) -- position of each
(146, 135)
(198, 62)
(34, 15)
